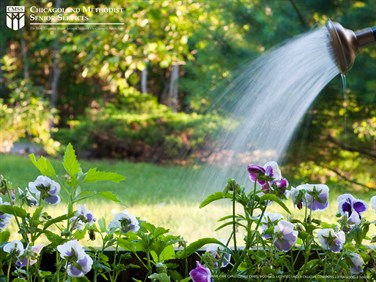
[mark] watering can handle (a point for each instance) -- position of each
(366, 36)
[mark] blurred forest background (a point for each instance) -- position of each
(144, 93)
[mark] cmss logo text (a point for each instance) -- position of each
(15, 18)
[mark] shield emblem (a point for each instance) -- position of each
(15, 18)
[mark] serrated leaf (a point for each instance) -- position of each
(84, 195)
(43, 165)
(215, 197)
(93, 175)
(13, 210)
(167, 253)
(129, 245)
(109, 196)
(70, 163)
(53, 238)
(193, 247)
(303, 235)
(274, 198)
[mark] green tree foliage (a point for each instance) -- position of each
(101, 73)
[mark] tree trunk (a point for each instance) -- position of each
(56, 67)
(144, 80)
(173, 89)
(24, 57)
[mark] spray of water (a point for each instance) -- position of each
(267, 102)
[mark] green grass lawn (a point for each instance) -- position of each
(164, 195)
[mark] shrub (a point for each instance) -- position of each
(26, 114)
(136, 126)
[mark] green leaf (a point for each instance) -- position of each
(53, 237)
(57, 219)
(303, 235)
(327, 225)
(4, 236)
(161, 277)
(80, 279)
(70, 163)
(43, 165)
(84, 195)
(131, 245)
(167, 253)
(93, 176)
(215, 197)
(37, 213)
(193, 247)
(13, 210)
(102, 224)
(274, 198)
(230, 223)
(109, 196)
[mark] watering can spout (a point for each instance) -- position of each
(345, 43)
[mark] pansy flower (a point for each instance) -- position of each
(78, 262)
(373, 203)
(313, 196)
(218, 254)
(125, 222)
(30, 256)
(82, 216)
(27, 197)
(269, 220)
(45, 189)
(285, 236)
(14, 248)
(4, 217)
(330, 240)
(356, 265)
(351, 207)
(269, 177)
(200, 273)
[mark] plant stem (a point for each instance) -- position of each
(8, 272)
(233, 220)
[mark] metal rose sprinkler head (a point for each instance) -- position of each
(345, 43)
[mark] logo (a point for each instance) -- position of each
(15, 17)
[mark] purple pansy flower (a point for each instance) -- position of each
(330, 240)
(15, 248)
(30, 256)
(269, 220)
(217, 251)
(125, 222)
(200, 273)
(313, 196)
(45, 189)
(285, 235)
(82, 216)
(4, 217)
(27, 197)
(356, 266)
(351, 207)
(269, 177)
(78, 262)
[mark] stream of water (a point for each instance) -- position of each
(267, 101)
